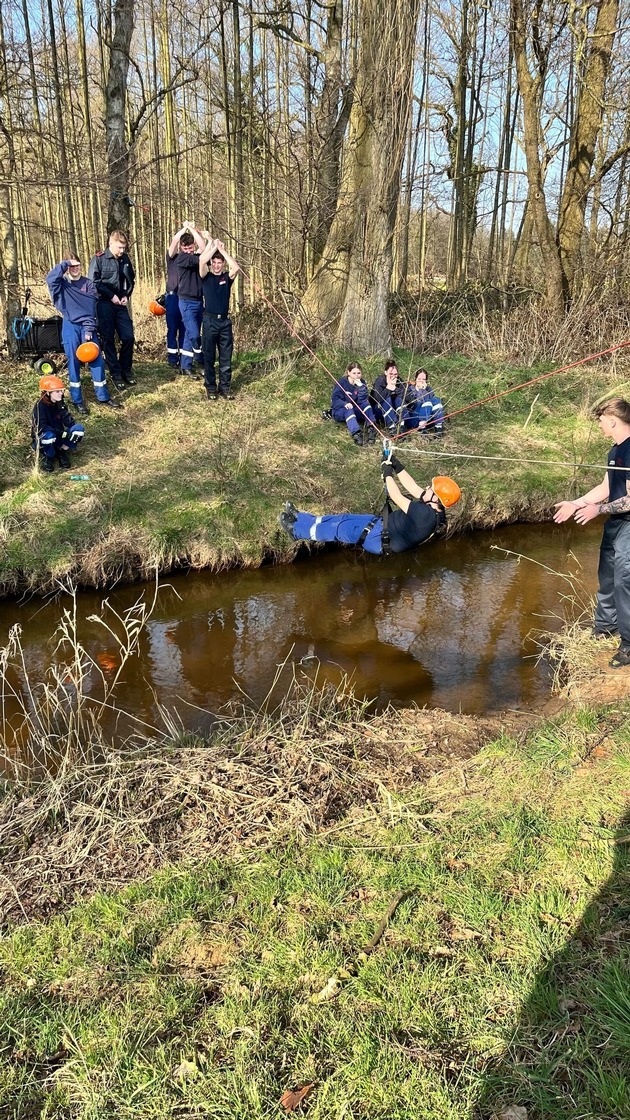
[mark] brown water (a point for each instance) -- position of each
(452, 625)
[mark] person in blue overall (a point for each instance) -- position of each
(423, 408)
(185, 248)
(217, 325)
(75, 298)
(350, 405)
(387, 397)
(53, 430)
(175, 332)
(612, 496)
(114, 276)
(415, 519)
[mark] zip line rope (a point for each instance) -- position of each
(418, 451)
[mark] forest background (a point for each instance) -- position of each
(352, 156)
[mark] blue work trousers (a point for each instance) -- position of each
(51, 442)
(175, 332)
(217, 337)
(72, 335)
(430, 413)
(190, 350)
(612, 609)
(342, 528)
(354, 418)
(114, 322)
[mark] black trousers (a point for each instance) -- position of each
(115, 320)
(217, 336)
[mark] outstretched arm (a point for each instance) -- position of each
(589, 502)
(174, 245)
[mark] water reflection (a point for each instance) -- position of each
(449, 626)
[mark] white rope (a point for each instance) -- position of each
(434, 454)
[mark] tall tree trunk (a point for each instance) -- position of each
(350, 286)
(71, 234)
(116, 117)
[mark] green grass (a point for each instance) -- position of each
(175, 480)
(502, 979)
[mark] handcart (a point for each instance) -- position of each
(35, 340)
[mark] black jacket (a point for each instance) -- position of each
(104, 272)
(50, 417)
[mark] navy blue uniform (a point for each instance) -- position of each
(114, 276)
(612, 610)
(191, 308)
(174, 323)
(53, 428)
(406, 530)
(386, 402)
(423, 407)
(217, 331)
(350, 405)
(76, 300)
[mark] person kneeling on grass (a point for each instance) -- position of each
(414, 520)
(53, 430)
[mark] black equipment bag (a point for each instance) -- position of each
(36, 337)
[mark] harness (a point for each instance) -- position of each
(384, 517)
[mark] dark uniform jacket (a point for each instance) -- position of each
(111, 280)
(49, 416)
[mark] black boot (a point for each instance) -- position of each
(128, 379)
(370, 434)
(358, 438)
(46, 463)
(64, 460)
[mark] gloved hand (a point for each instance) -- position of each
(387, 471)
(394, 461)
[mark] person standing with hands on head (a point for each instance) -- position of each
(114, 277)
(612, 496)
(217, 325)
(75, 297)
(185, 247)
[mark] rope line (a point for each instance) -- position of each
(509, 459)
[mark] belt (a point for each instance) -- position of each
(368, 529)
(211, 315)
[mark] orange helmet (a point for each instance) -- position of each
(49, 383)
(446, 489)
(88, 351)
(156, 308)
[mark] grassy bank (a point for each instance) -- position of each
(175, 481)
(500, 980)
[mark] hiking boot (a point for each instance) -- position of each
(46, 463)
(81, 409)
(128, 379)
(64, 460)
(286, 522)
(370, 434)
(291, 512)
(622, 657)
(110, 403)
(226, 394)
(212, 394)
(598, 635)
(358, 438)
(120, 385)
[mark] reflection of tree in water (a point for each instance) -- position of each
(569, 1057)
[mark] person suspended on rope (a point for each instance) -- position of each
(185, 249)
(114, 276)
(217, 325)
(611, 496)
(53, 430)
(75, 297)
(413, 521)
(350, 405)
(387, 396)
(423, 409)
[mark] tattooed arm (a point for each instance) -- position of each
(594, 508)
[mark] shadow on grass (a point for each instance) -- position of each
(568, 1056)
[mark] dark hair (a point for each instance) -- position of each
(217, 253)
(420, 370)
(353, 365)
(616, 407)
(187, 239)
(389, 364)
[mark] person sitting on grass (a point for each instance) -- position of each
(387, 396)
(351, 406)
(424, 410)
(415, 519)
(53, 430)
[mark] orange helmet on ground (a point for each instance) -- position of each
(156, 308)
(49, 383)
(446, 489)
(88, 351)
